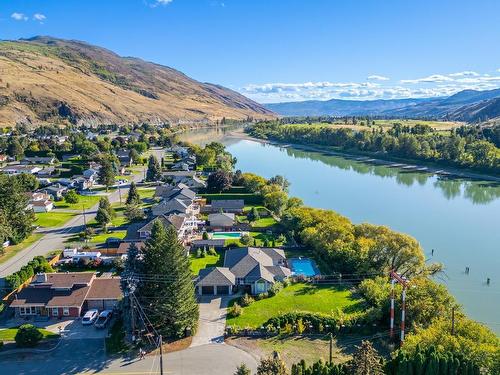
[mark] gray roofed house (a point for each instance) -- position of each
(222, 220)
(215, 280)
(173, 206)
(227, 205)
(39, 160)
(254, 269)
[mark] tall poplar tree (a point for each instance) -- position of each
(154, 169)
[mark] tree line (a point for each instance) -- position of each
(470, 147)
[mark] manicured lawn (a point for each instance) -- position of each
(146, 192)
(9, 334)
(86, 201)
(264, 222)
(198, 264)
(53, 218)
(102, 237)
(10, 251)
(322, 299)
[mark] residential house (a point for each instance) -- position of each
(180, 166)
(124, 158)
(46, 172)
(90, 174)
(47, 160)
(221, 221)
(227, 205)
(125, 245)
(252, 269)
(56, 191)
(176, 199)
(40, 202)
(18, 169)
(217, 243)
(3, 159)
(66, 295)
(194, 182)
(184, 226)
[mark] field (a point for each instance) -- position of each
(10, 251)
(299, 297)
(9, 334)
(53, 219)
(84, 201)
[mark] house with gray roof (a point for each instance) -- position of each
(254, 269)
(221, 221)
(227, 205)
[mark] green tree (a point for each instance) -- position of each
(15, 149)
(272, 366)
(133, 197)
(366, 361)
(102, 217)
(28, 336)
(153, 172)
(105, 205)
(106, 174)
(134, 156)
(253, 215)
(71, 197)
(133, 212)
(219, 181)
(242, 370)
(28, 182)
(173, 297)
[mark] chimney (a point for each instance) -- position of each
(41, 278)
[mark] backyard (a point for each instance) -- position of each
(300, 297)
(53, 218)
(198, 264)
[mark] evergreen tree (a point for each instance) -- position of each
(154, 170)
(366, 360)
(102, 217)
(133, 212)
(104, 204)
(169, 294)
(272, 366)
(132, 267)
(133, 195)
(106, 174)
(242, 370)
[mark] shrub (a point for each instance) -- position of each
(262, 296)
(235, 310)
(204, 254)
(212, 251)
(198, 253)
(71, 197)
(246, 300)
(205, 236)
(275, 289)
(28, 336)
(245, 239)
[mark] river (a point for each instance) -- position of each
(459, 219)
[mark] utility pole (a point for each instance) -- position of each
(84, 218)
(331, 347)
(120, 193)
(395, 277)
(132, 315)
(161, 356)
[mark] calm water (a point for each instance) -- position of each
(459, 219)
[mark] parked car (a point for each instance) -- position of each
(103, 319)
(90, 316)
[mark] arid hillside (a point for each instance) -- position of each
(48, 80)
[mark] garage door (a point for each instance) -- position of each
(109, 304)
(207, 290)
(222, 289)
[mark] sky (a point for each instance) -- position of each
(288, 50)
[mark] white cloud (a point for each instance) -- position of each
(376, 77)
(19, 16)
(466, 73)
(163, 2)
(39, 17)
(430, 79)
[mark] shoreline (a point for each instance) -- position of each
(371, 158)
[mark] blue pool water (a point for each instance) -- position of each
(304, 267)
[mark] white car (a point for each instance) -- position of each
(103, 319)
(90, 316)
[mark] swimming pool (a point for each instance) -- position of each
(226, 235)
(303, 266)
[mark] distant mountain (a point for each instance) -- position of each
(466, 105)
(46, 80)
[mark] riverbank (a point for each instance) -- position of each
(375, 158)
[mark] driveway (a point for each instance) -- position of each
(213, 311)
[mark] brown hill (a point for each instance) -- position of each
(47, 80)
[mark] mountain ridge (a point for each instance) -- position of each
(50, 80)
(466, 105)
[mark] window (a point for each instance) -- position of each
(22, 311)
(55, 311)
(65, 311)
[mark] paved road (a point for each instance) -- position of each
(54, 238)
(213, 311)
(87, 357)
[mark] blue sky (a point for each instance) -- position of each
(287, 50)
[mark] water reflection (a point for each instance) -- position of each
(479, 192)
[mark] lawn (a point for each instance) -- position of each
(264, 222)
(146, 192)
(102, 237)
(322, 299)
(53, 219)
(198, 264)
(9, 334)
(86, 201)
(10, 251)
